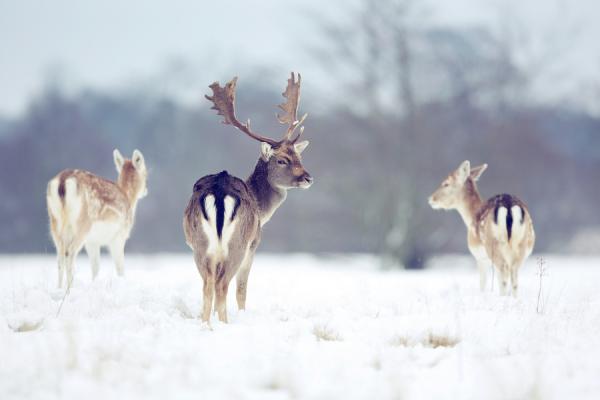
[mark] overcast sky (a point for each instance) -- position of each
(114, 43)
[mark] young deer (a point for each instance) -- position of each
(225, 215)
(87, 210)
(499, 231)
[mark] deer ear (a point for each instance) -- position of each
(118, 160)
(266, 151)
(299, 147)
(138, 160)
(477, 171)
(463, 171)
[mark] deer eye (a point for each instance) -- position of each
(445, 184)
(281, 161)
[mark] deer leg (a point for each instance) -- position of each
(62, 261)
(60, 252)
(221, 287)
(70, 255)
(482, 265)
(93, 253)
(69, 261)
(204, 266)
(117, 251)
(503, 278)
(514, 276)
(242, 280)
(209, 292)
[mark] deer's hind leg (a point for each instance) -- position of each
(514, 274)
(71, 252)
(221, 289)
(225, 272)
(60, 250)
(503, 275)
(205, 267)
(514, 277)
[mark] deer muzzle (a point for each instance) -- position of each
(305, 180)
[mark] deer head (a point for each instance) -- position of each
(451, 193)
(283, 157)
(132, 174)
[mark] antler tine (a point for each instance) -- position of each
(290, 107)
(300, 132)
(223, 100)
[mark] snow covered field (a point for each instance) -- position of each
(315, 328)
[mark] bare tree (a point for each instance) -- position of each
(397, 67)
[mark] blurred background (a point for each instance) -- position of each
(398, 92)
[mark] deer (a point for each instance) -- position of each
(499, 230)
(225, 215)
(86, 210)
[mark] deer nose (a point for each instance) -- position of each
(306, 179)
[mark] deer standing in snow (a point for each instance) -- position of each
(87, 210)
(225, 215)
(499, 230)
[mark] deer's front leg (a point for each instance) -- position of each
(482, 266)
(93, 253)
(242, 280)
(117, 251)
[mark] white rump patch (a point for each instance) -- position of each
(516, 213)
(72, 200)
(218, 247)
(210, 227)
(500, 227)
(53, 199)
(228, 224)
(518, 231)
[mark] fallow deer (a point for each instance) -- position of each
(225, 215)
(499, 230)
(87, 210)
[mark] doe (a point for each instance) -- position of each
(88, 210)
(499, 230)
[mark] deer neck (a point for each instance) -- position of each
(268, 197)
(131, 195)
(470, 203)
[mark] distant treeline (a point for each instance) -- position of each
(549, 157)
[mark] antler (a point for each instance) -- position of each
(290, 108)
(223, 100)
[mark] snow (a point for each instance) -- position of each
(334, 327)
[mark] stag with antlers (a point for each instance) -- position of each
(225, 215)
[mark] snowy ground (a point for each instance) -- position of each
(315, 328)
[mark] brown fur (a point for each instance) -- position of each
(487, 240)
(259, 196)
(85, 209)
(222, 222)
(217, 271)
